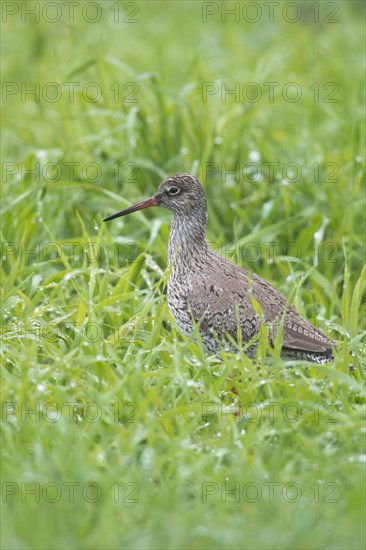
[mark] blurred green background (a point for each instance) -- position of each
(135, 440)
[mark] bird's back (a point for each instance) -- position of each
(225, 299)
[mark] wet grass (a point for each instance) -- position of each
(117, 431)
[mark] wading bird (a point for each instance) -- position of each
(228, 302)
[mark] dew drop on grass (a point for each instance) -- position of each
(254, 156)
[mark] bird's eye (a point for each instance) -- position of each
(173, 190)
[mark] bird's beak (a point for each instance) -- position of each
(147, 203)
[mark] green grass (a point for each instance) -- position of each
(133, 432)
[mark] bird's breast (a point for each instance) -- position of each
(178, 306)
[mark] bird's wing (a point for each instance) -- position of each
(225, 305)
(221, 311)
(298, 333)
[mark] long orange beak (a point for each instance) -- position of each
(147, 203)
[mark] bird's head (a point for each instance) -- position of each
(182, 194)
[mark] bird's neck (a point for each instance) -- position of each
(187, 235)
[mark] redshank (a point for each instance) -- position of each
(229, 303)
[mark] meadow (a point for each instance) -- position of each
(118, 432)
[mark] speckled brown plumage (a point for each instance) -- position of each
(217, 294)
